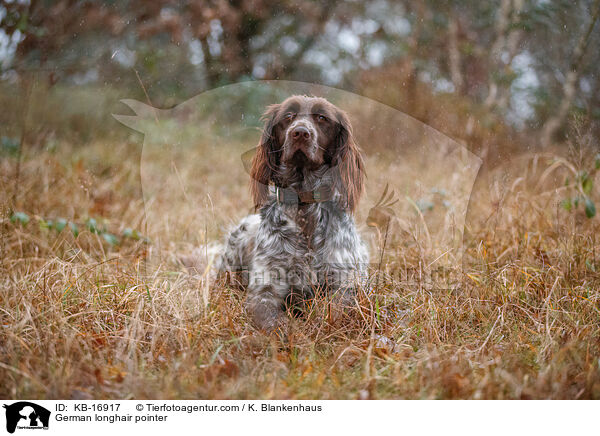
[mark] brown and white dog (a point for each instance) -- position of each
(307, 178)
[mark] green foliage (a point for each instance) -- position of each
(74, 229)
(567, 204)
(45, 225)
(134, 234)
(19, 217)
(581, 190)
(9, 146)
(129, 233)
(92, 225)
(110, 238)
(424, 205)
(586, 182)
(590, 208)
(59, 224)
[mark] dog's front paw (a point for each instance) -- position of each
(268, 317)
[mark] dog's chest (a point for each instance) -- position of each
(302, 235)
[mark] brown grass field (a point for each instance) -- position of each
(518, 317)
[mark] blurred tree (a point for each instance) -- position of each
(532, 62)
(572, 75)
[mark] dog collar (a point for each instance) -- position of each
(290, 196)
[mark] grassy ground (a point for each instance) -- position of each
(85, 317)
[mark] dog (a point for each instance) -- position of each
(307, 177)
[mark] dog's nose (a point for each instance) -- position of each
(300, 132)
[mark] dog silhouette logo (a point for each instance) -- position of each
(26, 415)
(192, 177)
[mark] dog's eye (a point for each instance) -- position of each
(288, 116)
(321, 118)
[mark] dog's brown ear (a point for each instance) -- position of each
(349, 163)
(265, 160)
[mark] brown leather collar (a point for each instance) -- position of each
(290, 196)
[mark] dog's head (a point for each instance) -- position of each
(303, 134)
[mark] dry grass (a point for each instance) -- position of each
(82, 319)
